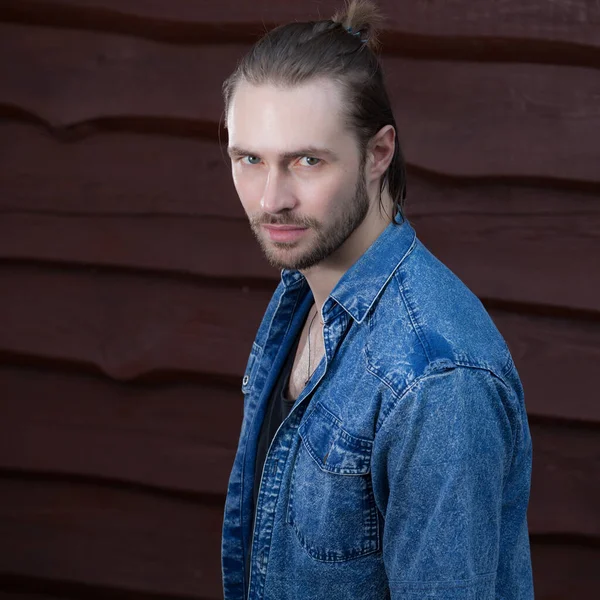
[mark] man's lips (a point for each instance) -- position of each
(284, 233)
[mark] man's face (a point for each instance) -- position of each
(297, 170)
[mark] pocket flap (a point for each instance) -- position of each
(332, 447)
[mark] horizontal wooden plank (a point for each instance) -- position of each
(121, 173)
(576, 21)
(128, 326)
(213, 247)
(114, 173)
(533, 245)
(458, 118)
(164, 436)
(555, 358)
(505, 120)
(561, 571)
(70, 77)
(535, 259)
(16, 594)
(25, 596)
(34, 588)
(565, 490)
(160, 435)
(564, 569)
(109, 537)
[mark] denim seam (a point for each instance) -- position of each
(368, 309)
(243, 477)
(398, 395)
(412, 313)
(509, 365)
(425, 377)
(391, 276)
(417, 381)
(277, 501)
(361, 446)
(363, 442)
(463, 360)
(453, 583)
(385, 381)
(296, 302)
(374, 542)
(509, 391)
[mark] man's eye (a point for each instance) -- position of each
(310, 161)
(251, 160)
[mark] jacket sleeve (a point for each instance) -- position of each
(440, 461)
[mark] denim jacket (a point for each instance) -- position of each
(403, 470)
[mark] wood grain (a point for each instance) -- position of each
(114, 173)
(123, 173)
(138, 326)
(178, 437)
(564, 569)
(20, 596)
(565, 490)
(126, 326)
(166, 204)
(132, 287)
(454, 118)
(575, 22)
(513, 258)
(209, 247)
(554, 357)
(108, 537)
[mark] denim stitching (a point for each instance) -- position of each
(412, 313)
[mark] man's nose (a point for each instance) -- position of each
(277, 193)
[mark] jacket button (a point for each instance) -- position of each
(245, 380)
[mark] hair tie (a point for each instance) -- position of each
(355, 33)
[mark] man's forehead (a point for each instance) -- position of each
(286, 118)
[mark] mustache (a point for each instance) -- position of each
(295, 220)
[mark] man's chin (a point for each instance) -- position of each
(282, 258)
(287, 256)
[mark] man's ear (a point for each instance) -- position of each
(380, 151)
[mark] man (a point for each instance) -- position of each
(385, 451)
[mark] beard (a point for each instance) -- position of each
(329, 237)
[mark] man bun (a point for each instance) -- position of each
(361, 17)
(341, 49)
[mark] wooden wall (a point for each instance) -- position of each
(131, 287)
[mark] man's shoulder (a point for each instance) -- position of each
(427, 318)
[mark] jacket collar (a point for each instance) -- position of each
(363, 282)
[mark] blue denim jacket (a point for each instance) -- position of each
(403, 470)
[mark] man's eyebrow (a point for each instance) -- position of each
(237, 151)
(308, 151)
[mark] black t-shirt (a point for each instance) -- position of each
(278, 408)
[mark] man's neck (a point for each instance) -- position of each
(322, 278)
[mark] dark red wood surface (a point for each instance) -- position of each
(131, 286)
(165, 436)
(144, 327)
(554, 233)
(456, 118)
(510, 28)
(110, 537)
(161, 439)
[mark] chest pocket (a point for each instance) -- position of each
(331, 505)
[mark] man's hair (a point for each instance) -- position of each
(343, 49)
